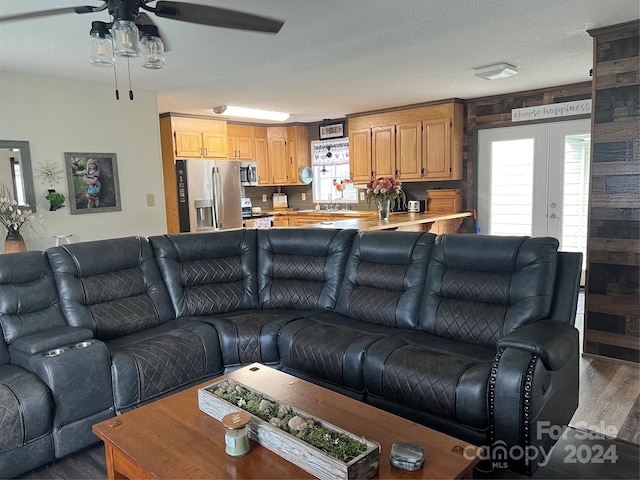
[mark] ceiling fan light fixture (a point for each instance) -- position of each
(493, 72)
(126, 39)
(101, 46)
(152, 48)
(245, 112)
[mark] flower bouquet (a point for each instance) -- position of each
(13, 218)
(383, 190)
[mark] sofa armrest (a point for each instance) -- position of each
(50, 339)
(553, 341)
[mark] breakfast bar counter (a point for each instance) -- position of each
(401, 220)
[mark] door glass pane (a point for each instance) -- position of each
(511, 200)
(575, 193)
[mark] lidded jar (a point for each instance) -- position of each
(236, 435)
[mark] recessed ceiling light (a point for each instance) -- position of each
(232, 111)
(493, 72)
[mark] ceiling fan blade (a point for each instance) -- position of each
(55, 11)
(144, 19)
(216, 17)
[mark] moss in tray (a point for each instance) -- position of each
(336, 444)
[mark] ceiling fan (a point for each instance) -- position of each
(132, 33)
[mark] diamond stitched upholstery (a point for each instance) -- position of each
(299, 266)
(295, 294)
(382, 276)
(490, 287)
(319, 351)
(113, 285)
(423, 379)
(11, 421)
(168, 361)
(124, 316)
(374, 305)
(468, 321)
(248, 328)
(214, 298)
(213, 270)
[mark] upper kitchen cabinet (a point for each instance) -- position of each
(262, 155)
(412, 144)
(299, 151)
(278, 155)
(288, 151)
(198, 138)
(241, 142)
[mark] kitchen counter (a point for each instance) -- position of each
(424, 221)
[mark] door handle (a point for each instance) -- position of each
(553, 216)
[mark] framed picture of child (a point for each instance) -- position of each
(93, 182)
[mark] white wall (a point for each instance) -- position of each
(57, 116)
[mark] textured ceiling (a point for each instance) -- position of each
(332, 57)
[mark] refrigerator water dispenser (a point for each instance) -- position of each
(204, 213)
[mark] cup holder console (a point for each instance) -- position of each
(59, 351)
(55, 352)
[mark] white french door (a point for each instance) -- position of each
(534, 180)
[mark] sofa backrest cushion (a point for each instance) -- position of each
(28, 296)
(385, 277)
(208, 273)
(111, 286)
(301, 268)
(480, 288)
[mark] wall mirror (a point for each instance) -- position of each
(16, 174)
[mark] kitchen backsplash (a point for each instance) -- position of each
(414, 191)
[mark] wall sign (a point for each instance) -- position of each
(334, 130)
(565, 109)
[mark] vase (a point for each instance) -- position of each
(14, 242)
(384, 205)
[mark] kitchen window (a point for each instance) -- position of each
(331, 174)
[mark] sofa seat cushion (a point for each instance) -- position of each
(26, 412)
(160, 360)
(438, 376)
(248, 336)
(329, 347)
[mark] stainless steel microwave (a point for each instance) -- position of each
(248, 173)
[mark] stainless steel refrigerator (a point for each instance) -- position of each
(209, 195)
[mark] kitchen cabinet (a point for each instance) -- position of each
(360, 154)
(412, 144)
(383, 151)
(278, 155)
(261, 151)
(283, 221)
(437, 150)
(302, 219)
(288, 151)
(299, 151)
(196, 144)
(241, 140)
(409, 151)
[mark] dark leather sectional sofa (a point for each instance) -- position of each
(471, 335)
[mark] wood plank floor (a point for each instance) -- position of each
(609, 394)
(609, 402)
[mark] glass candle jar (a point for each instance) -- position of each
(236, 435)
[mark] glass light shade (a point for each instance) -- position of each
(152, 52)
(126, 39)
(101, 51)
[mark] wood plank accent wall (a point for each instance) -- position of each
(613, 246)
(495, 111)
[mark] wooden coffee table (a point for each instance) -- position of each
(172, 438)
